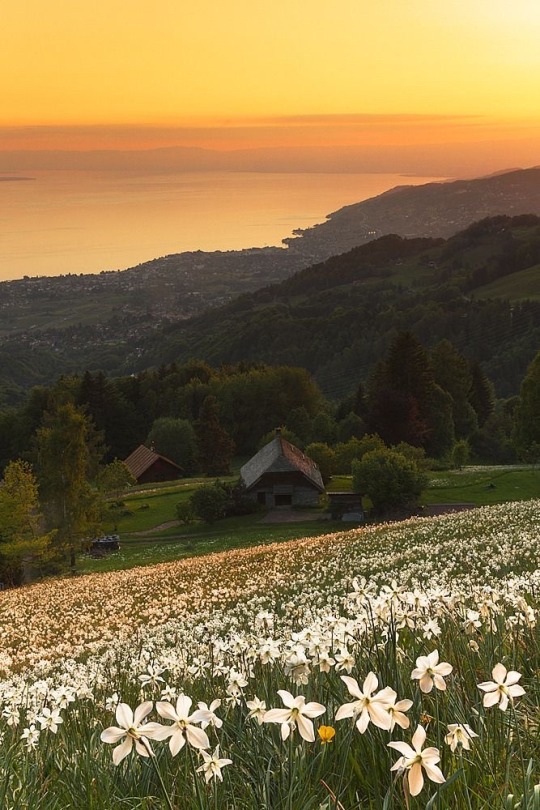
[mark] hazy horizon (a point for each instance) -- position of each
(300, 89)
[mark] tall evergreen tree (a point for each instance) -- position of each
(527, 417)
(110, 412)
(452, 372)
(482, 393)
(401, 391)
(215, 446)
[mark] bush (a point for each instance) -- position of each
(389, 479)
(185, 512)
(413, 453)
(209, 502)
(218, 500)
(460, 454)
(238, 501)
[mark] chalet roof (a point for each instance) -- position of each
(279, 455)
(142, 459)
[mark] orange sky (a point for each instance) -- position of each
(242, 73)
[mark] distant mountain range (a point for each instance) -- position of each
(154, 313)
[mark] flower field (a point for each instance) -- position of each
(387, 667)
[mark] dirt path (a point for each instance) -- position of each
(161, 528)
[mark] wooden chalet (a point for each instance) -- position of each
(281, 475)
(148, 467)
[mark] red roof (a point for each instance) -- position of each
(143, 458)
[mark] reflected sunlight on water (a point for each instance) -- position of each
(76, 222)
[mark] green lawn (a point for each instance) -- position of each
(483, 486)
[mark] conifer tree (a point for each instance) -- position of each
(215, 446)
(527, 418)
(482, 394)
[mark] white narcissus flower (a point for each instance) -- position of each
(430, 673)
(297, 713)
(397, 710)
(183, 727)
(31, 735)
(459, 734)
(502, 689)
(212, 765)
(413, 759)
(344, 660)
(50, 720)
(257, 709)
(367, 706)
(131, 726)
(214, 720)
(152, 677)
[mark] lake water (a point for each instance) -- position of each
(79, 222)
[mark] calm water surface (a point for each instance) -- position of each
(77, 222)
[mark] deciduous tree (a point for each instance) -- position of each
(175, 439)
(67, 453)
(21, 542)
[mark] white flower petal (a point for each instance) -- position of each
(141, 712)
(122, 750)
(419, 738)
(305, 728)
(197, 737)
(124, 715)
(112, 734)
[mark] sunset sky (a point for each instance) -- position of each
(250, 73)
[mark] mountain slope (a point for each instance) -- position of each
(435, 209)
(337, 318)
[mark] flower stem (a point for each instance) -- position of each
(158, 772)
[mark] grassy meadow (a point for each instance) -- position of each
(150, 533)
(386, 667)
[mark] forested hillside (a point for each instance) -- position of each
(479, 289)
(337, 318)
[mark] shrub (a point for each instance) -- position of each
(389, 479)
(460, 453)
(209, 502)
(347, 452)
(185, 512)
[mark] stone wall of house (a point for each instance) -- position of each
(305, 496)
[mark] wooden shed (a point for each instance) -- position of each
(282, 475)
(147, 466)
